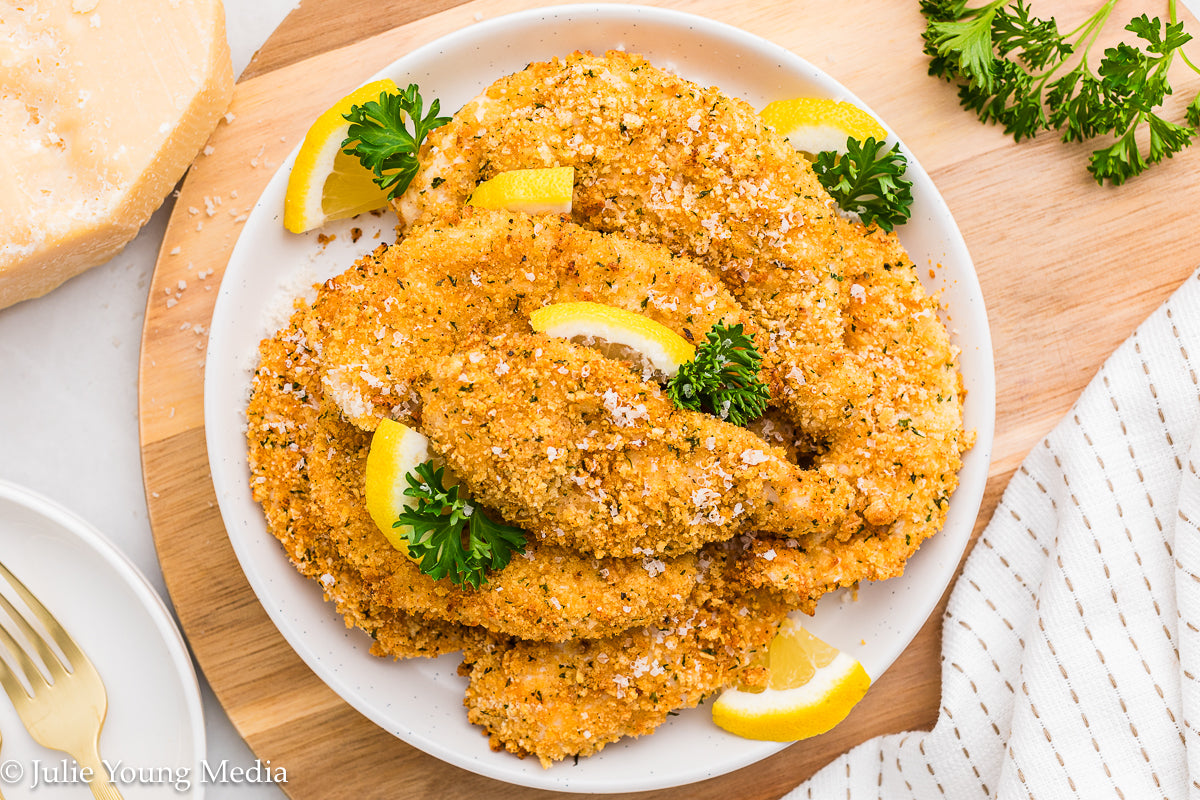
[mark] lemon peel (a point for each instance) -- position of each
(615, 331)
(326, 184)
(545, 190)
(811, 688)
(817, 124)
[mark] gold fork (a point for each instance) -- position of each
(64, 710)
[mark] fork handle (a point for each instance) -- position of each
(103, 789)
(101, 785)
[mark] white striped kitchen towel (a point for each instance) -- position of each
(1070, 646)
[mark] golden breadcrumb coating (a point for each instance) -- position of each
(380, 324)
(549, 592)
(855, 355)
(308, 468)
(662, 159)
(576, 449)
(556, 701)
(687, 209)
(281, 431)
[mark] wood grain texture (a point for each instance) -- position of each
(317, 26)
(1068, 270)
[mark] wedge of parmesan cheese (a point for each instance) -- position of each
(103, 105)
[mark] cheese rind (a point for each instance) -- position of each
(103, 105)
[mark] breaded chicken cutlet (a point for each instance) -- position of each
(379, 325)
(577, 449)
(686, 209)
(555, 701)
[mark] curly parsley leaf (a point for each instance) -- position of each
(960, 40)
(867, 182)
(380, 138)
(1019, 71)
(451, 537)
(722, 378)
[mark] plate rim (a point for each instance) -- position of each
(971, 484)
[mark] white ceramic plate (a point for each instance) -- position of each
(153, 737)
(421, 701)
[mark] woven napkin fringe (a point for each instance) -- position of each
(1070, 646)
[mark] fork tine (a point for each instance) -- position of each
(32, 672)
(11, 683)
(71, 650)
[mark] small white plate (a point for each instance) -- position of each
(421, 701)
(153, 738)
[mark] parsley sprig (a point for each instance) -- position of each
(381, 140)
(1021, 72)
(722, 378)
(452, 537)
(868, 182)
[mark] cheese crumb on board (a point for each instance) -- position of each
(103, 105)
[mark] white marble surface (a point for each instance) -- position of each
(68, 399)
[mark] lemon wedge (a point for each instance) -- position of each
(617, 333)
(325, 183)
(815, 124)
(396, 450)
(534, 191)
(811, 688)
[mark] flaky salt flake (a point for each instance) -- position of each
(654, 567)
(753, 456)
(623, 414)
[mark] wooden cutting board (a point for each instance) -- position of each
(1068, 270)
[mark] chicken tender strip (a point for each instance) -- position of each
(282, 424)
(558, 701)
(575, 449)
(902, 448)
(381, 324)
(662, 159)
(549, 593)
(903, 444)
